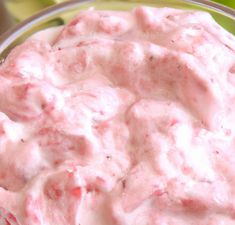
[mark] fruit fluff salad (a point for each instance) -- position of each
(120, 118)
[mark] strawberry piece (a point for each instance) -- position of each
(7, 218)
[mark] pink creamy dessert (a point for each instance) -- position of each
(120, 118)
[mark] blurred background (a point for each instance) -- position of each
(14, 11)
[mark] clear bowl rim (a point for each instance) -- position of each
(14, 32)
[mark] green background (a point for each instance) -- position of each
(230, 3)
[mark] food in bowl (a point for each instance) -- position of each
(122, 118)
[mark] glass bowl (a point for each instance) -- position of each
(59, 14)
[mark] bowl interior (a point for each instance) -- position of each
(62, 13)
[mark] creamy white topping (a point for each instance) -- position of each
(120, 118)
